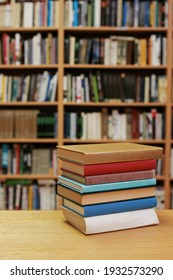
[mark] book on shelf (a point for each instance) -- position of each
(116, 13)
(111, 207)
(111, 222)
(117, 50)
(111, 152)
(27, 195)
(105, 196)
(108, 178)
(82, 188)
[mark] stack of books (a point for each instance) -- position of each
(107, 187)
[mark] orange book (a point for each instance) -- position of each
(108, 152)
(105, 196)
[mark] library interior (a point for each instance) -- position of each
(86, 128)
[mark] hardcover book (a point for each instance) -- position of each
(106, 196)
(105, 187)
(107, 168)
(111, 222)
(109, 178)
(109, 152)
(112, 207)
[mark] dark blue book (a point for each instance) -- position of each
(112, 207)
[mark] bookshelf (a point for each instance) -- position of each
(64, 29)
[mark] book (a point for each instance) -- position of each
(105, 196)
(107, 168)
(111, 207)
(111, 222)
(108, 178)
(106, 186)
(109, 152)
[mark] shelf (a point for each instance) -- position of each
(113, 104)
(115, 29)
(22, 66)
(26, 176)
(18, 140)
(98, 66)
(144, 141)
(27, 29)
(27, 104)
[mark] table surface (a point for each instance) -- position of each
(41, 235)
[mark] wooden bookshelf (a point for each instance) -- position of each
(59, 106)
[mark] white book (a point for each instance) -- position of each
(36, 42)
(111, 222)
(28, 14)
(73, 125)
(43, 86)
(84, 125)
(53, 84)
(97, 13)
(106, 51)
(87, 97)
(72, 50)
(116, 127)
(113, 50)
(159, 125)
(70, 15)
(65, 88)
(123, 127)
(44, 197)
(7, 16)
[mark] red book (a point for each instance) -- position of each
(107, 168)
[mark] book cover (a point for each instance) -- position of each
(111, 222)
(109, 152)
(108, 178)
(105, 196)
(105, 187)
(112, 207)
(107, 168)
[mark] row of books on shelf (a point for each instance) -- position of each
(117, 50)
(107, 86)
(118, 13)
(21, 13)
(28, 124)
(131, 123)
(27, 159)
(31, 87)
(118, 199)
(33, 49)
(28, 195)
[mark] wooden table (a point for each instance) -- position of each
(42, 235)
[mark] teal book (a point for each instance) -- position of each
(112, 207)
(71, 184)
